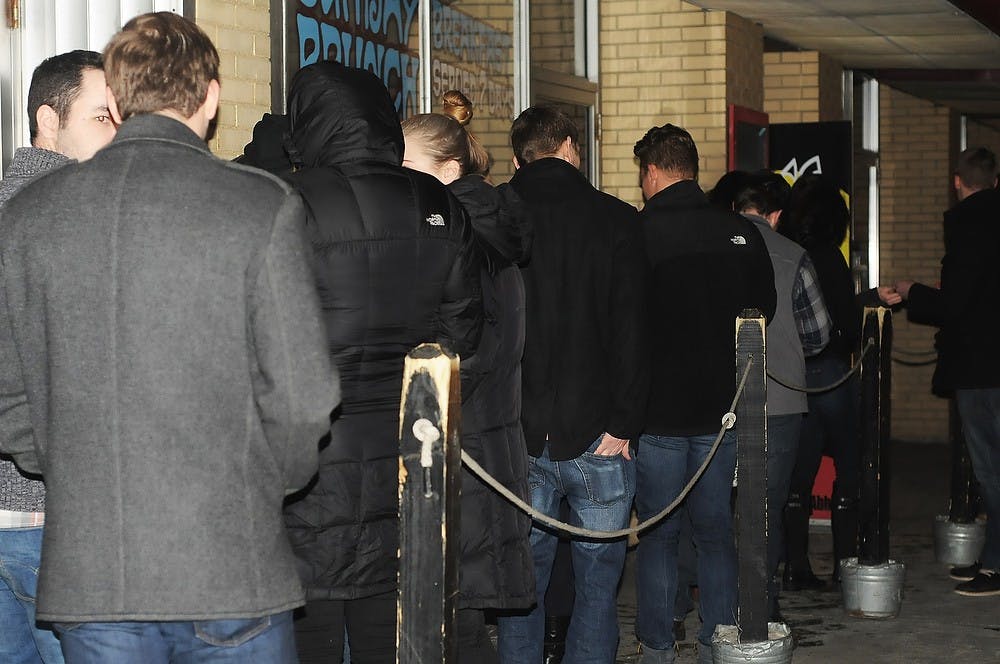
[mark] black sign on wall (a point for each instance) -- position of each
(822, 148)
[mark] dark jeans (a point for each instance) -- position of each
(664, 465)
(782, 447)
(267, 640)
(830, 426)
(474, 644)
(371, 629)
(980, 413)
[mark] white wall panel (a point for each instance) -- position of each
(49, 27)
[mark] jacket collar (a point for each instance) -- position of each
(549, 177)
(150, 126)
(761, 222)
(685, 194)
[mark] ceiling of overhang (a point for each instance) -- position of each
(943, 51)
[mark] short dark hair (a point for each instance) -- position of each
(539, 131)
(723, 194)
(57, 82)
(815, 215)
(977, 168)
(671, 149)
(763, 191)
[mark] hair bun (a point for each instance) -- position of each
(457, 106)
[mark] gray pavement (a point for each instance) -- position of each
(934, 624)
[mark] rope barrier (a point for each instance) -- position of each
(728, 420)
(911, 363)
(819, 390)
(915, 353)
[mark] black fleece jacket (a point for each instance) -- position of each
(707, 266)
(965, 307)
(585, 369)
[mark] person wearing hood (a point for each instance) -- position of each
(495, 567)
(396, 266)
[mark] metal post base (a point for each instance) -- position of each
(727, 649)
(872, 591)
(958, 544)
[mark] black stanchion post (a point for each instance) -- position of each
(429, 465)
(751, 496)
(964, 504)
(875, 409)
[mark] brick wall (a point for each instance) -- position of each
(916, 146)
(802, 86)
(240, 30)
(491, 126)
(553, 29)
(978, 134)
(668, 61)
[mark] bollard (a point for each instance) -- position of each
(872, 583)
(959, 537)
(429, 481)
(754, 639)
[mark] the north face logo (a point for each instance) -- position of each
(435, 220)
(738, 239)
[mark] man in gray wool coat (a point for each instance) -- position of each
(174, 378)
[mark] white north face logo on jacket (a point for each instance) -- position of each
(435, 220)
(738, 239)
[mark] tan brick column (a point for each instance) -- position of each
(915, 155)
(669, 61)
(241, 31)
(802, 86)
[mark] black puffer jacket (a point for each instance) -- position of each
(396, 266)
(496, 566)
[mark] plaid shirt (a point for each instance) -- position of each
(811, 318)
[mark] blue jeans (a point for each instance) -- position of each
(783, 432)
(265, 640)
(599, 491)
(664, 465)
(979, 410)
(22, 641)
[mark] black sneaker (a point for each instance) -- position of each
(984, 585)
(967, 573)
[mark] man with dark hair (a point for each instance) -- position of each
(800, 328)
(708, 265)
(173, 369)
(964, 307)
(584, 378)
(68, 118)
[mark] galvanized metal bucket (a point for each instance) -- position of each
(872, 591)
(726, 648)
(958, 543)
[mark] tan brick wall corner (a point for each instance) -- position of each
(241, 31)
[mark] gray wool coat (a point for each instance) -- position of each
(176, 378)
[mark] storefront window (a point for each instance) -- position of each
(472, 51)
(485, 48)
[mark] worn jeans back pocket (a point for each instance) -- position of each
(230, 633)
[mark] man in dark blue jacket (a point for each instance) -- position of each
(965, 309)
(584, 377)
(707, 266)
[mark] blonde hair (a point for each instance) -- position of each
(160, 61)
(445, 137)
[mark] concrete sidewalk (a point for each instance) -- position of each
(934, 625)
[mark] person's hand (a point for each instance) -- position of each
(611, 446)
(889, 295)
(903, 288)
